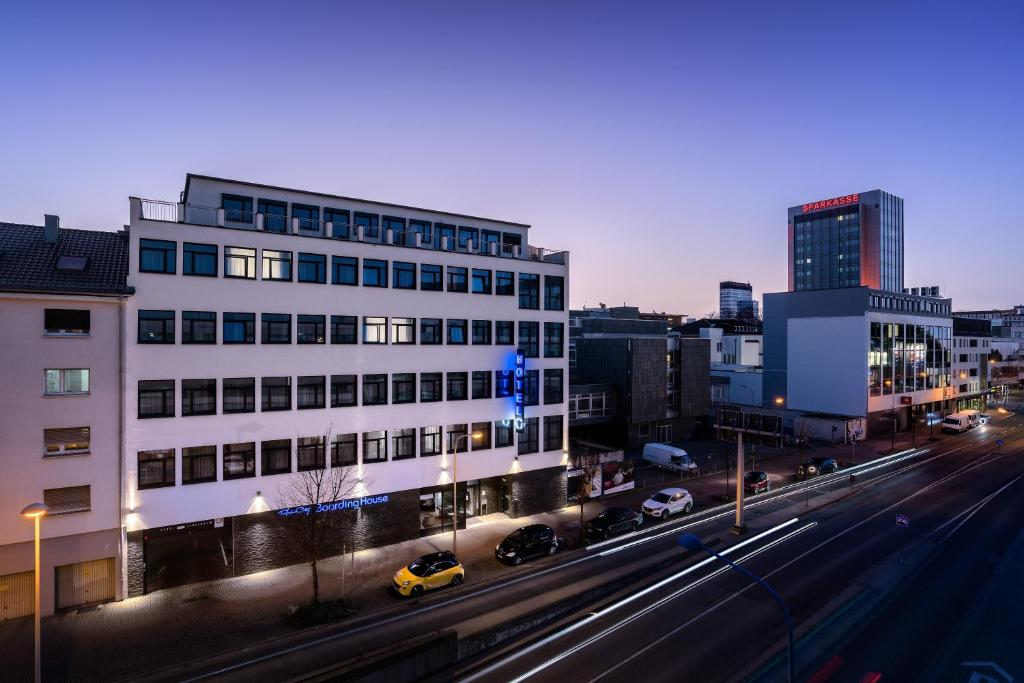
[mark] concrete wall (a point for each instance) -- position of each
(827, 365)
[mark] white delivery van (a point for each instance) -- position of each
(961, 422)
(669, 457)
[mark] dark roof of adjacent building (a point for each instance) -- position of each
(78, 262)
(730, 326)
(732, 284)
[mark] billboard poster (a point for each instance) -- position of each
(617, 476)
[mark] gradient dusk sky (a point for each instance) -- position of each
(661, 143)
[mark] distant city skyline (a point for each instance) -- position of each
(661, 145)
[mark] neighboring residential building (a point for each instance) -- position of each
(735, 301)
(971, 346)
(854, 240)
(62, 301)
(737, 358)
(1007, 345)
(268, 318)
(670, 319)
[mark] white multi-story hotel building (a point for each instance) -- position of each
(266, 318)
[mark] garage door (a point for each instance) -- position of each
(16, 592)
(85, 583)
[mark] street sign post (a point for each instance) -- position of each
(903, 522)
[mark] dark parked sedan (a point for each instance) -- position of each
(526, 543)
(816, 466)
(756, 482)
(613, 521)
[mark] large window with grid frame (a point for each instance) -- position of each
(239, 460)
(430, 441)
(238, 395)
(343, 450)
(311, 392)
(343, 391)
(528, 438)
(198, 464)
(276, 393)
(403, 443)
(375, 446)
(553, 432)
(156, 398)
(310, 453)
(198, 397)
(155, 468)
(276, 456)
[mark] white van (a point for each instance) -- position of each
(961, 422)
(669, 458)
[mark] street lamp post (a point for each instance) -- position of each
(892, 413)
(692, 543)
(35, 512)
(455, 488)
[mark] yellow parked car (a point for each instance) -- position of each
(429, 572)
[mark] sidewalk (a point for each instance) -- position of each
(145, 634)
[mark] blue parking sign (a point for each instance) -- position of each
(902, 520)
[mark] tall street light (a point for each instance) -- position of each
(692, 543)
(892, 413)
(455, 487)
(35, 512)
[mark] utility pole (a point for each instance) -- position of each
(739, 527)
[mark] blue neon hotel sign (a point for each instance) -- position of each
(520, 393)
(334, 506)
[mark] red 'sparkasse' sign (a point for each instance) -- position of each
(829, 203)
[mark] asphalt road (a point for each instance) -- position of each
(711, 624)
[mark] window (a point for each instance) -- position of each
(343, 450)
(504, 283)
(311, 329)
(239, 328)
(457, 386)
(552, 432)
(531, 387)
(155, 469)
(375, 447)
(275, 215)
(481, 331)
(276, 456)
(277, 265)
(239, 395)
(457, 279)
(338, 218)
(481, 281)
(239, 460)
(66, 441)
(421, 228)
(276, 328)
(67, 500)
(455, 438)
(311, 392)
(528, 342)
(504, 332)
(375, 330)
(403, 444)
(344, 329)
(503, 383)
(240, 262)
(553, 340)
(344, 270)
(309, 217)
(63, 382)
(156, 327)
(484, 442)
(529, 291)
(554, 293)
(528, 438)
(343, 391)
(468, 239)
(375, 390)
(236, 209)
(430, 331)
(403, 330)
(445, 231)
(66, 322)
(430, 278)
(375, 273)
(276, 393)
(312, 268)
(157, 256)
(404, 275)
(368, 222)
(199, 259)
(198, 327)
(430, 387)
(487, 238)
(198, 464)
(481, 384)
(198, 397)
(156, 398)
(456, 331)
(403, 387)
(430, 441)
(553, 392)
(310, 453)
(397, 228)
(502, 433)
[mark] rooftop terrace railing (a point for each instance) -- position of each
(171, 212)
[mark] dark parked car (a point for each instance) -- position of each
(757, 482)
(815, 466)
(613, 521)
(526, 543)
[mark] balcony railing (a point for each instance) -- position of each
(154, 210)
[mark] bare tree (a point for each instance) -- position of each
(308, 495)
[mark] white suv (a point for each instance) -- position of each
(668, 502)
